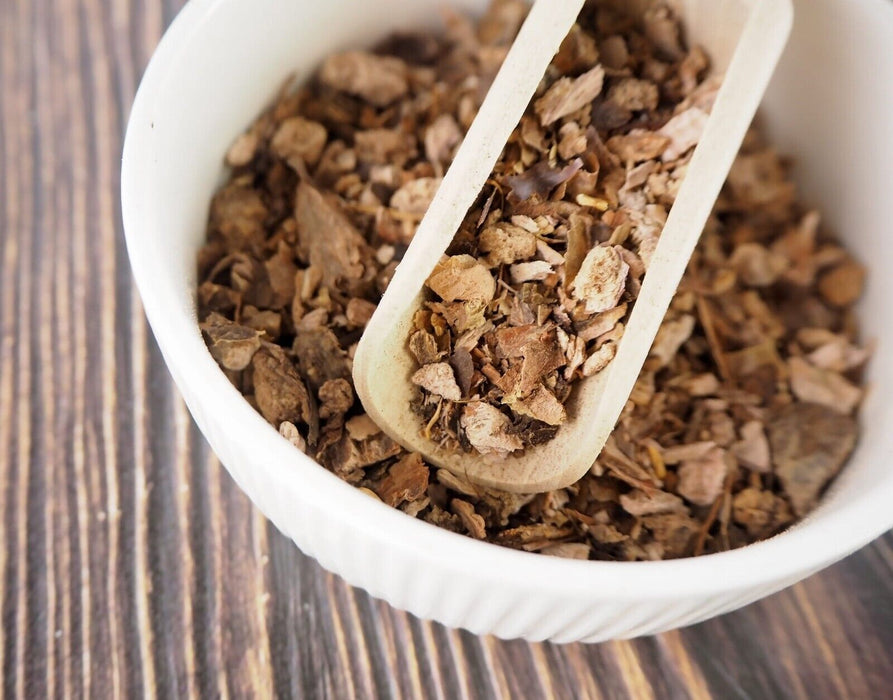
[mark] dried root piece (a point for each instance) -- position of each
(438, 379)
(487, 429)
(810, 443)
(567, 95)
(232, 345)
(600, 282)
(380, 80)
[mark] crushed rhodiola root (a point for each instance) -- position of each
(744, 410)
(534, 291)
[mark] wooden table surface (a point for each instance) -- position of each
(130, 564)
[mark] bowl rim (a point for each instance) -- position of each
(805, 546)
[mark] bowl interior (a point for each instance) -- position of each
(830, 106)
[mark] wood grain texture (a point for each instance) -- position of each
(131, 565)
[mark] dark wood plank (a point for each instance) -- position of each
(130, 564)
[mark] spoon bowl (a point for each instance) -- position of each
(744, 39)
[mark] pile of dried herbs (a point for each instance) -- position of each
(534, 291)
(744, 409)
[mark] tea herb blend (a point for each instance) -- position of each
(533, 294)
(741, 415)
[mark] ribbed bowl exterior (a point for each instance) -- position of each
(458, 598)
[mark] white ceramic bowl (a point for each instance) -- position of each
(831, 105)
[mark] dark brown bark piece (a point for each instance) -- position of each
(278, 389)
(809, 443)
(327, 238)
(320, 357)
(237, 216)
(541, 179)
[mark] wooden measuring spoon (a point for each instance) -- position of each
(746, 37)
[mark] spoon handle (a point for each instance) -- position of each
(753, 62)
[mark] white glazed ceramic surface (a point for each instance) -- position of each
(830, 105)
